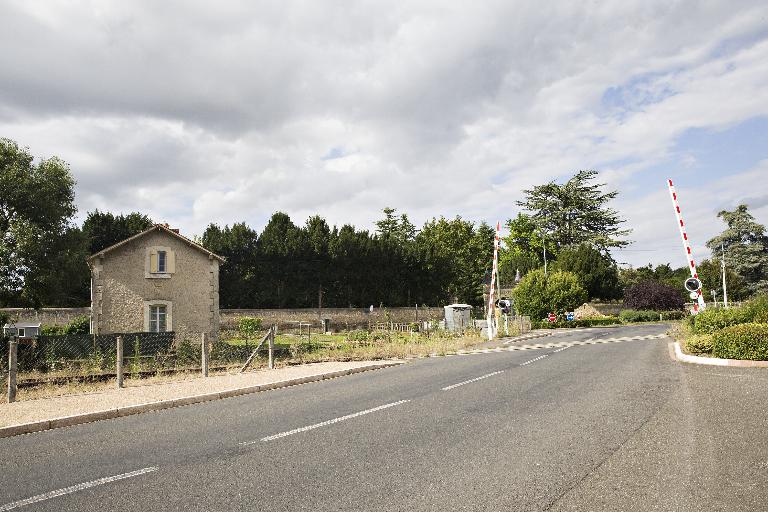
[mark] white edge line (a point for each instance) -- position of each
(324, 423)
(75, 488)
(448, 388)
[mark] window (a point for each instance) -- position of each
(21, 333)
(157, 318)
(161, 261)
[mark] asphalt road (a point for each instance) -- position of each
(609, 426)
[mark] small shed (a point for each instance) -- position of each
(458, 317)
(23, 330)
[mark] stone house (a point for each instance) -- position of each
(155, 281)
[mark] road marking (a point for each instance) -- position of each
(325, 423)
(447, 388)
(534, 359)
(559, 350)
(75, 488)
(538, 346)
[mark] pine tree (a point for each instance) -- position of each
(746, 248)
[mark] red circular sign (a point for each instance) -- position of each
(552, 317)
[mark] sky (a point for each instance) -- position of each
(221, 112)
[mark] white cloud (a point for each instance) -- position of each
(195, 113)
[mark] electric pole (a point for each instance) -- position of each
(722, 266)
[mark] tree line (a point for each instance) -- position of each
(43, 252)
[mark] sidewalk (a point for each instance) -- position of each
(47, 413)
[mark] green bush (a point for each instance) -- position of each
(78, 325)
(757, 309)
(711, 320)
(558, 292)
(582, 322)
(745, 341)
(699, 344)
(645, 315)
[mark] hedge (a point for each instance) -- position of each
(712, 320)
(645, 315)
(583, 322)
(744, 341)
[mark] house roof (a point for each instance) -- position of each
(161, 228)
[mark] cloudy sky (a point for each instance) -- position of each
(199, 112)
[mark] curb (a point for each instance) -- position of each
(713, 361)
(119, 412)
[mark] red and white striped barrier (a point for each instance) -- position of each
(492, 327)
(686, 245)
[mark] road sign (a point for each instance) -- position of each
(552, 317)
(569, 316)
(693, 284)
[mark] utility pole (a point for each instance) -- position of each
(545, 254)
(722, 266)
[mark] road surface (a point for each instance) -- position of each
(605, 426)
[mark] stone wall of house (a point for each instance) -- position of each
(121, 288)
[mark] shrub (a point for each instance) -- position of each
(78, 325)
(538, 294)
(699, 344)
(248, 327)
(631, 315)
(711, 320)
(745, 341)
(757, 309)
(582, 322)
(653, 295)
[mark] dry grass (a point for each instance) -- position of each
(391, 346)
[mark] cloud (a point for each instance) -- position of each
(195, 113)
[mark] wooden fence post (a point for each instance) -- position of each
(272, 349)
(204, 347)
(13, 345)
(119, 361)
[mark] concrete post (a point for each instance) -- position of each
(272, 349)
(13, 345)
(204, 348)
(119, 361)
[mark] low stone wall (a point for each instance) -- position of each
(341, 318)
(46, 316)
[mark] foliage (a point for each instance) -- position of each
(711, 279)
(746, 248)
(538, 294)
(248, 327)
(78, 325)
(103, 229)
(653, 295)
(699, 344)
(711, 319)
(581, 322)
(745, 341)
(596, 271)
(631, 315)
(663, 273)
(238, 286)
(576, 212)
(36, 206)
(523, 248)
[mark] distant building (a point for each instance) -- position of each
(155, 281)
(25, 331)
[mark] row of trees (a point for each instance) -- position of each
(316, 264)
(43, 253)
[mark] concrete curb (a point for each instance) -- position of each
(88, 417)
(713, 361)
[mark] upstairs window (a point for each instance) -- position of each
(162, 259)
(160, 262)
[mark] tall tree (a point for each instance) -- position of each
(746, 248)
(596, 271)
(238, 276)
(576, 212)
(104, 229)
(523, 248)
(36, 207)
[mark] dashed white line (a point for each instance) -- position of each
(447, 388)
(325, 423)
(75, 488)
(534, 359)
